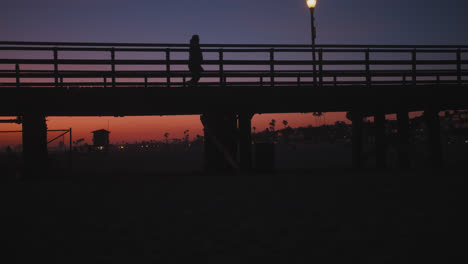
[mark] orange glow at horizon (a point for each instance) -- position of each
(146, 128)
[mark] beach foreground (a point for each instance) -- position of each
(326, 215)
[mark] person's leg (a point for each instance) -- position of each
(195, 77)
(191, 69)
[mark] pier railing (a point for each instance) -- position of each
(130, 65)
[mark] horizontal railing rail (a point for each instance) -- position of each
(160, 74)
(228, 62)
(336, 64)
(109, 44)
(238, 50)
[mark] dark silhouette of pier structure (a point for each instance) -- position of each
(239, 81)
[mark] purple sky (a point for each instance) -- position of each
(236, 21)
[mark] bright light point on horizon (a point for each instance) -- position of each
(311, 3)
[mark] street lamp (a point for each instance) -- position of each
(311, 4)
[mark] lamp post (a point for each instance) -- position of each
(311, 4)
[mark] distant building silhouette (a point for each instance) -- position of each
(101, 139)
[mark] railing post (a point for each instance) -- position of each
(168, 67)
(404, 80)
(17, 69)
(299, 80)
(261, 81)
(321, 67)
(334, 81)
(459, 70)
(272, 67)
(414, 66)
(146, 81)
(113, 66)
(61, 82)
(105, 82)
(183, 81)
(368, 75)
(221, 67)
(56, 67)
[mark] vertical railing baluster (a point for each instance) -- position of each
(321, 67)
(334, 81)
(368, 75)
(56, 67)
(113, 66)
(105, 82)
(146, 81)
(261, 81)
(168, 67)
(61, 82)
(221, 68)
(414, 66)
(299, 80)
(459, 69)
(272, 67)
(404, 80)
(17, 70)
(183, 81)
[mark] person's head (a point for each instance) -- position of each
(195, 40)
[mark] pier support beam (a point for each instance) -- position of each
(35, 153)
(356, 118)
(403, 138)
(431, 115)
(245, 141)
(220, 145)
(380, 139)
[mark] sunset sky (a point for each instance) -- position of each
(218, 22)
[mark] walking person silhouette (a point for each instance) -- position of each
(195, 60)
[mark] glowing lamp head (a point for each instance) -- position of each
(311, 3)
